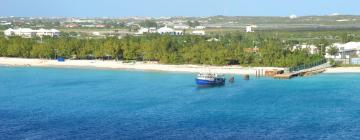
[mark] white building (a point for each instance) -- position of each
(200, 27)
(146, 30)
(27, 32)
(44, 32)
(181, 27)
(311, 48)
(198, 32)
(213, 40)
(346, 50)
(170, 31)
(249, 28)
(293, 17)
(142, 31)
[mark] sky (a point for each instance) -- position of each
(157, 8)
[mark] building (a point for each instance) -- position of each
(199, 27)
(311, 48)
(3, 23)
(28, 33)
(249, 28)
(72, 25)
(198, 32)
(142, 31)
(100, 25)
(44, 32)
(213, 40)
(181, 27)
(146, 30)
(170, 31)
(162, 31)
(293, 17)
(346, 51)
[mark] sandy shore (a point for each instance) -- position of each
(136, 66)
(150, 66)
(343, 70)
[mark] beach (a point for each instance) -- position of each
(151, 66)
(144, 66)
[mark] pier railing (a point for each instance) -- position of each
(307, 66)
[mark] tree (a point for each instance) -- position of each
(148, 23)
(41, 51)
(333, 51)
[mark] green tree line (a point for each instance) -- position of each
(187, 49)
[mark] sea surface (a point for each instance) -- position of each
(61, 103)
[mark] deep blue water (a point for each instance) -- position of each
(49, 103)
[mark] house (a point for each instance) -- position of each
(72, 25)
(249, 28)
(198, 32)
(181, 27)
(3, 23)
(146, 30)
(28, 33)
(346, 51)
(43, 32)
(152, 30)
(311, 48)
(213, 40)
(170, 31)
(142, 31)
(9, 32)
(200, 27)
(100, 25)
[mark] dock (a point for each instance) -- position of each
(308, 71)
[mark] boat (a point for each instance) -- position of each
(210, 79)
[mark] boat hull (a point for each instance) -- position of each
(206, 83)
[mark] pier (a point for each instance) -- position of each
(304, 70)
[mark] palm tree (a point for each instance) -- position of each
(333, 50)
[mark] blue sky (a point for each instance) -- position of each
(123, 8)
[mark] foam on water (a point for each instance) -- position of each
(48, 103)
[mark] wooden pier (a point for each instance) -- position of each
(305, 72)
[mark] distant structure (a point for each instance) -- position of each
(170, 31)
(162, 31)
(72, 25)
(198, 32)
(181, 27)
(28, 33)
(3, 23)
(199, 27)
(96, 33)
(334, 14)
(249, 28)
(293, 17)
(146, 30)
(311, 48)
(346, 50)
(213, 40)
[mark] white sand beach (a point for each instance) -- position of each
(147, 66)
(343, 70)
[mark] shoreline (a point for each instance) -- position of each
(144, 66)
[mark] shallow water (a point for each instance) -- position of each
(49, 103)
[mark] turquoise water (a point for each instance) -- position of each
(49, 103)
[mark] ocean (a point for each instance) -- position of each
(63, 103)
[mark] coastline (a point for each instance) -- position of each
(343, 70)
(112, 64)
(120, 65)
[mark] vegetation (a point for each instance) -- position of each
(193, 23)
(235, 48)
(333, 50)
(148, 24)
